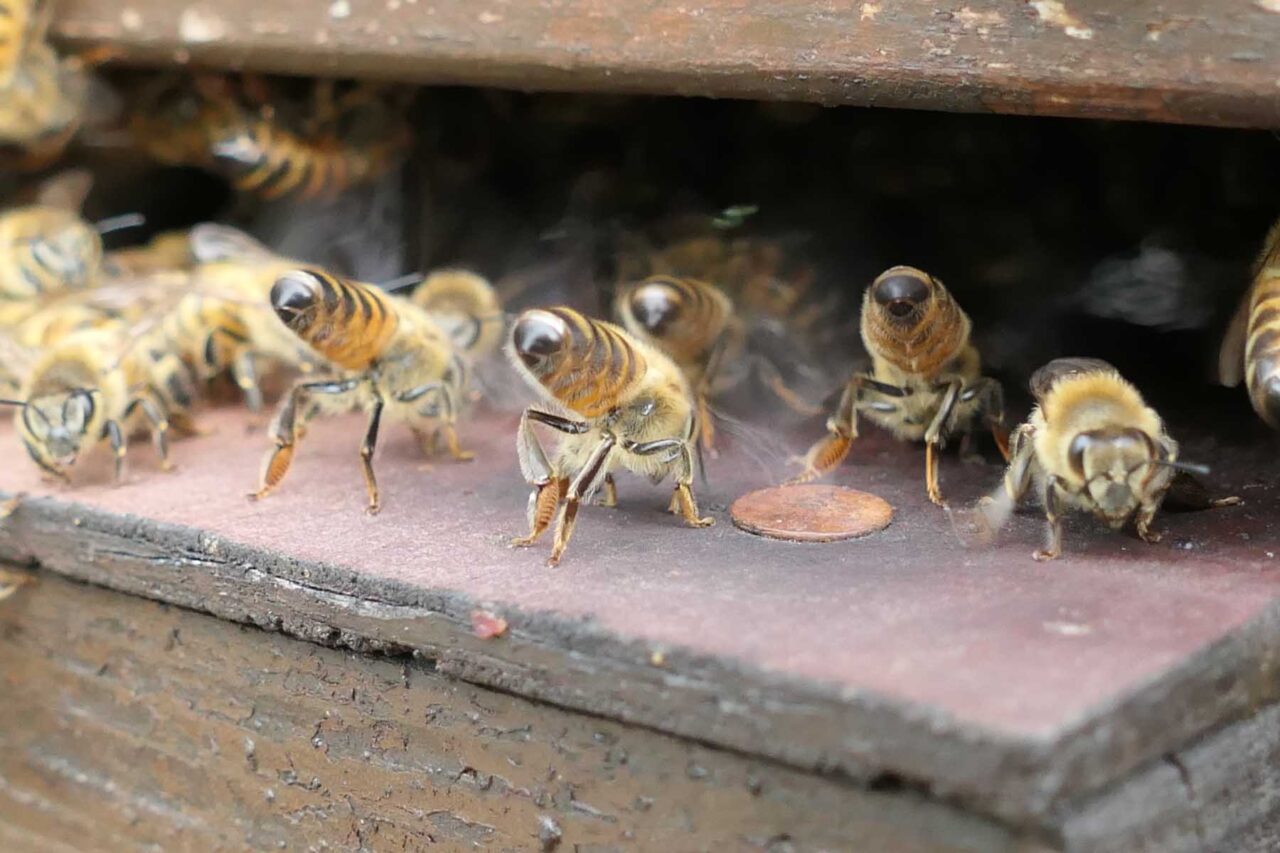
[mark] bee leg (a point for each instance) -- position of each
(1142, 523)
(707, 428)
(455, 449)
(586, 482)
(682, 500)
(1053, 528)
(245, 373)
(610, 499)
(287, 429)
(543, 503)
(993, 511)
(934, 437)
(10, 505)
(991, 404)
(111, 430)
(367, 447)
(159, 423)
(842, 428)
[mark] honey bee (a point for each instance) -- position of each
(388, 356)
(623, 403)
(47, 248)
(925, 380)
(222, 321)
(1091, 444)
(694, 323)
(1251, 348)
(94, 386)
(43, 103)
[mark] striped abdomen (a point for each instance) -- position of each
(346, 322)
(207, 331)
(45, 251)
(911, 321)
(264, 159)
(682, 316)
(1262, 347)
(585, 364)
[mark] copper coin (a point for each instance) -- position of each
(811, 513)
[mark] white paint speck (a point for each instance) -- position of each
(131, 20)
(198, 26)
(1055, 14)
(340, 10)
(1268, 5)
(969, 18)
(1069, 629)
(869, 11)
(488, 18)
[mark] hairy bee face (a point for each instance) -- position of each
(1115, 464)
(295, 297)
(55, 428)
(656, 306)
(540, 340)
(902, 294)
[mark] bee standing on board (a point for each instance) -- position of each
(92, 386)
(1091, 444)
(388, 356)
(1251, 348)
(627, 405)
(224, 322)
(925, 380)
(693, 322)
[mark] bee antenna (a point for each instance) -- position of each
(1189, 467)
(120, 223)
(408, 281)
(19, 403)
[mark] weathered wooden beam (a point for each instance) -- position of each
(1178, 61)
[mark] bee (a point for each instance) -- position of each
(387, 356)
(1091, 444)
(47, 248)
(93, 386)
(694, 323)
(223, 321)
(618, 402)
(165, 252)
(925, 380)
(1251, 348)
(43, 104)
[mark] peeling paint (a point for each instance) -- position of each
(869, 11)
(340, 10)
(1055, 14)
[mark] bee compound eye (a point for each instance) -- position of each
(900, 292)
(537, 335)
(1076, 451)
(655, 305)
(293, 294)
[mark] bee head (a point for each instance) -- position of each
(295, 296)
(537, 337)
(54, 428)
(656, 304)
(1113, 463)
(902, 292)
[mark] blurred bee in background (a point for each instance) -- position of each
(1091, 444)
(465, 306)
(222, 322)
(388, 356)
(694, 323)
(925, 380)
(95, 385)
(47, 248)
(1251, 348)
(263, 146)
(628, 405)
(165, 252)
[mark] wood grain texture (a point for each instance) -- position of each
(1177, 61)
(131, 725)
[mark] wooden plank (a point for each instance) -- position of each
(1177, 61)
(981, 677)
(130, 724)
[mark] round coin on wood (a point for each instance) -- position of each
(811, 513)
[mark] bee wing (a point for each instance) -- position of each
(1045, 378)
(211, 242)
(66, 190)
(1231, 353)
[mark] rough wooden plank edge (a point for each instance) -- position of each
(855, 736)
(1183, 61)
